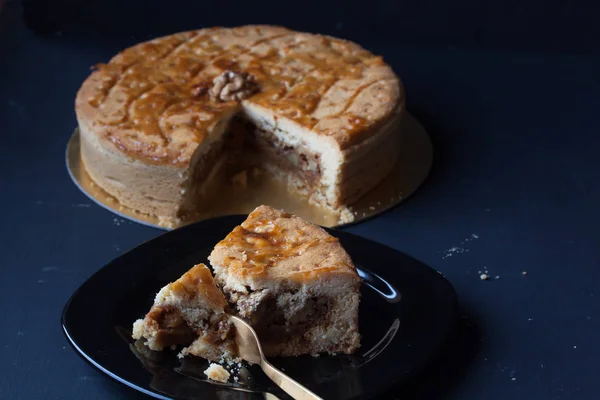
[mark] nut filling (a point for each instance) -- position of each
(287, 314)
(191, 312)
(297, 160)
(173, 328)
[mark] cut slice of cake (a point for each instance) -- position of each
(292, 281)
(189, 312)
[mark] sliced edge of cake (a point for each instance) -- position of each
(190, 311)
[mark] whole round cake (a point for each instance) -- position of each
(162, 120)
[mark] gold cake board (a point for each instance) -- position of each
(412, 168)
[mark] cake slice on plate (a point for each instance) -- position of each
(189, 312)
(292, 281)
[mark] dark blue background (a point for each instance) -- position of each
(540, 25)
(516, 136)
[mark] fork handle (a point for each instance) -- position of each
(290, 386)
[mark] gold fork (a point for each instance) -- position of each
(249, 349)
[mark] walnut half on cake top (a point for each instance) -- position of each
(291, 280)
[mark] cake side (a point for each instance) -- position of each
(169, 191)
(292, 281)
(147, 188)
(368, 163)
(189, 312)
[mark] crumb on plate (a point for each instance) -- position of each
(217, 373)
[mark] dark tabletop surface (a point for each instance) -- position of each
(514, 188)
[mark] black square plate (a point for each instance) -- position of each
(406, 311)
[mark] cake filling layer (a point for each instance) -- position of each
(169, 329)
(191, 312)
(169, 326)
(297, 159)
(264, 310)
(289, 317)
(244, 146)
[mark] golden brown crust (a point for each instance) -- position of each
(198, 283)
(151, 101)
(272, 246)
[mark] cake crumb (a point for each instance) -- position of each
(346, 216)
(484, 277)
(217, 373)
(454, 250)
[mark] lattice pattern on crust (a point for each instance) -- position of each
(149, 99)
